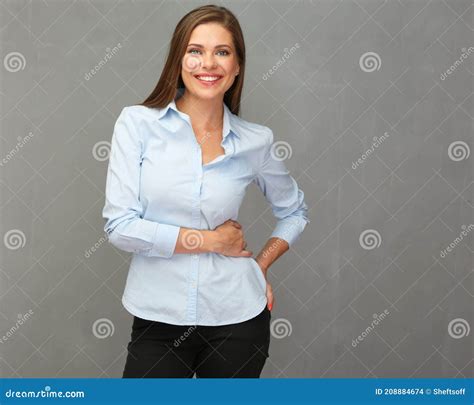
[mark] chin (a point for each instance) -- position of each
(207, 94)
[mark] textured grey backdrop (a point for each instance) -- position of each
(373, 103)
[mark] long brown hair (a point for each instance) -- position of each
(170, 80)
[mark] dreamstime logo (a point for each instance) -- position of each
(272, 247)
(22, 141)
(281, 328)
(458, 328)
(20, 321)
(101, 151)
(286, 55)
(103, 328)
(108, 55)
(192, 239)
(370, 239)
(184, 336)
(281, 150)
(458, 240)
(377, 142)
(370, 62)
(191, 62)
(95, 247)
(44, 393)
(14, 239)
(454, 66)
(205, 138)
(14, 62)
(458, 150)
(377, 319)
(285, 236)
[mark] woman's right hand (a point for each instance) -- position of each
(229, 239)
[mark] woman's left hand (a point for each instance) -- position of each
(270, 298)
(269, 291)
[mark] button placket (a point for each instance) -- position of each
(196, 221)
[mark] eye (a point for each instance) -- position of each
(223, 52)
(193, 50)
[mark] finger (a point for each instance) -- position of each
(246, 253)
(270, 299)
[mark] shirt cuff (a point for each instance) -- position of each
(166, 237)
(289, 229)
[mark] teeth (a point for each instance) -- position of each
(208, 78)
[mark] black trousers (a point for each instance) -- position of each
(162, 350)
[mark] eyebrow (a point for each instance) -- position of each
(217, 46)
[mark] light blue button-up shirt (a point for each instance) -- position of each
(156, 183)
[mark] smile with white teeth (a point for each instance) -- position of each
(208, 78)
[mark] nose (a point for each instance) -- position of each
(209, 62)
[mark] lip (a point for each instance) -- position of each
(208, 84)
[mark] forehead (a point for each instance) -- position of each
(211, 34)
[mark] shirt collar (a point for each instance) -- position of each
(228, 124)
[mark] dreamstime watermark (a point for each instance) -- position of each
(281, 328)
(377, 319)
(22, 141)
(103, 328)
(465, 231)
(14, 239)
(96, 246)
(44, 393)
(465, 53)
(108, 55)
(205, 138)
(191, 62)
(184, 336)
(458, 328)
(286, 55)
(273, 246)
(192, 239)
(281, 150)
(14, 62)
(370, 62)
(377, 142)
(177, 342)
(370, 239)
(20, 321)
(101, 151)
(458, 150)
(282, 238)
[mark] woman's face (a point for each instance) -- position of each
(210, 64)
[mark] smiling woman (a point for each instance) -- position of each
(179, 167)
(210, 66)
(207, 41)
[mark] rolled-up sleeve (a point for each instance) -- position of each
(281, 191)
(123, 211)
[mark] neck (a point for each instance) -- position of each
(203, 112)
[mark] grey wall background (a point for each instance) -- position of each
(373, 261)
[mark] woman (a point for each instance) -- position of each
(179, 166)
